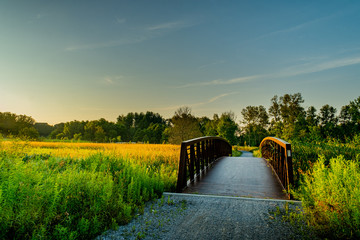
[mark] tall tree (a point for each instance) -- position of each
(17, 125)
(354, 111)
(285, 111)
(311, 117)
(227, 127)
(328, 120)
(255, 120)
(290, 107)
(274, 110)
(184, 126)
(44, 129)
(137, 126)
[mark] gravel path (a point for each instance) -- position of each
(188, 216)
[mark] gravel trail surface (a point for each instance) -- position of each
(190, 216)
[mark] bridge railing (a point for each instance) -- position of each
(196, 155)
(279, 154)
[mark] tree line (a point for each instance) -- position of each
(289, 120)
(286, 118)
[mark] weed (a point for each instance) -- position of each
(169, 201)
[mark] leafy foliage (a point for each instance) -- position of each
(330, 196)
(20, 126)
(76, 191)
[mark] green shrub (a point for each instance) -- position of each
(330, 194)
(305, 154)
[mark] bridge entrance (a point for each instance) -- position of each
(244, 176)
(206, 167)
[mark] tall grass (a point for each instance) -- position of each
(330, 194)
(306, 154)
(76, 191)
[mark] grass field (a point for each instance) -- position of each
(78, 190)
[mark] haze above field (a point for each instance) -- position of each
(84, 60)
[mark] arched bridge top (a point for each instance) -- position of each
(279, 141)
(200, 139)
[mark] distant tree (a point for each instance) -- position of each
(328, 121)
(311, 117)
(345, 116)
(44, 129)
(290, 107)
(28, 133)
(8, 124)
(300, 127)
(276, 126)
(327, 115)
(89, 131)
(285, 111)
(354, 112)
(100, 135)
(274, 110)
(211, 127)
(57, 133)
(255, 120)
(349, 119)
(137, 125)
(17, 125)
(72, 128)
(204, 122)
(227, 127)
(184, 126)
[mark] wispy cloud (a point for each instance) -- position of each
(218, 97)
(296, 27)
(221, 81)
(139, 35)
(211, 100)
(111, 80)
(317, 67)
(168, 25)
(307, 68)
(107, 44)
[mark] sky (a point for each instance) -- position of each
(85, 60)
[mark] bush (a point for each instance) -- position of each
(305, 154)
(330, 194)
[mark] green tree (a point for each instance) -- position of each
(311, 117)
(285, 111)
(17, 125)
(137, 125)
(227, 127)
(72, 128)
(44, 129)
(29, 133)
(255, 120)
(328, 121)
(58, 131)
(100, 135)
(354, 112)
(184, 126)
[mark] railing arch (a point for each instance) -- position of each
(196, 155)
(279, 154)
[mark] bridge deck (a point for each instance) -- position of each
(244, 176)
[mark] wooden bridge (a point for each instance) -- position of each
(206, 167)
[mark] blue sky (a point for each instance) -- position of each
(83, 60)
